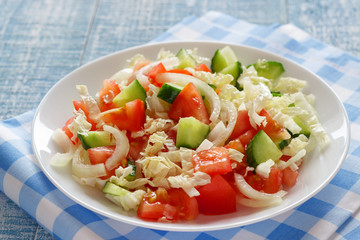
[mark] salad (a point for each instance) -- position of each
(186, 135)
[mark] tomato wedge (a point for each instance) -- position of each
(155, 71)
(130, 117)
(212, 161)
(217, 197)
(107, 93)
(272, 184)
(273, 129)
(171, 205)
(189, 103)
(289, 177)
(79, 104)
(203, 67)
(100, 155)
(66, 129)
(242, 124)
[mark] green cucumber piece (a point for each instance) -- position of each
(235, 70)
(191, 132)
(269, 69)
(260, 149)
(130, 93)
(304, 128)
(132, 175)
(113, 189)
(223, 58)
(186, 60)
(95, 139)
(169, 91)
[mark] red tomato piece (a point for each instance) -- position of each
(100, 155)
(67, 130)
(180, 71)
(246, 137)
(79, 104)
(212, 161)
(237, 145)
(242, 124)
(189, 103)
(255, 181)
(203, 67)
(217, 197)
(289, 177)
(155, 71)
(130, 117)
(107, 93)
(156, 211)
(137, 145)
(273, 129)
(187, 206)
(272, 184)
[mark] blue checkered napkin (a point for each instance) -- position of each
(333, 213)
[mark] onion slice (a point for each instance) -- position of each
(231, 116)
(121, 149)
(204, 88)
(84, 170)
(251, 193)
(259, 203)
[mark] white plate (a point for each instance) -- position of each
(316, 172)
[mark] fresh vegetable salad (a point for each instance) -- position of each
(186, 135)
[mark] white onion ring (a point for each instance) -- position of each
(259, 203)
(203, 87)
(121, 149)
(251, 193)
(83, 170)
(231, 113)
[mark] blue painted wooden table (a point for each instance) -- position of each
(41, 41)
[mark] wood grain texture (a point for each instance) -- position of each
(43, 40)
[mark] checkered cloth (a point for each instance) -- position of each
(332, 213)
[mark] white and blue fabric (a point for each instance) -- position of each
(334, 213)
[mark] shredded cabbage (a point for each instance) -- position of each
(128, 201)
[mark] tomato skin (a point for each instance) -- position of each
(66, 129)
(242, 124)
(100, 155)
(137, 145)
(246, 137)
(155, 71)
(255, 181)
(187, 206)
(79, 104)
(217, 197)
(180, 71)
(212, 161)
(272, 184)
(130, 117)
(172, 204)
(273, 129)
(107, 93)
(289, 177)
(203, 67)
(189, 103)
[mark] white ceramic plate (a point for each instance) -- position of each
(316, 172)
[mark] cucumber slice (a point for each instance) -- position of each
(169, 91)
(130, 93)
(223, 58)
(113, 189)
(132, 175)
(235, 70)
(191, 132)
(186, 60)
(269, 69)
(95, 139)
(304, 128)
(260, 149)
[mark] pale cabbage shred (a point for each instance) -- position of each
(173, 169)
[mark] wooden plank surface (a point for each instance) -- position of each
(41, 41)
